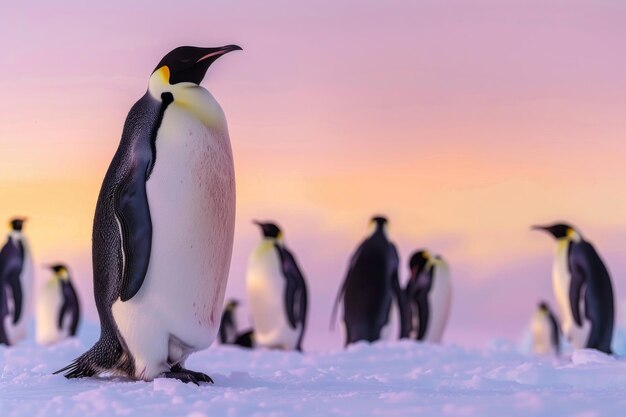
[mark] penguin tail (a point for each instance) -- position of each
(102, 357)
(81, 367)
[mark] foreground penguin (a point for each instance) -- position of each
(429, 294)
(277, 293)
(229, 333)
(163, 228)
(545, 331)
(16, 282)
(583, 290)
(369, 288)
(58, 310)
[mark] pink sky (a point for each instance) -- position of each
(463, 123)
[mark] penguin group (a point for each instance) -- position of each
(57, 308)
(162, 242)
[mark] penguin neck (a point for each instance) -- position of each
(379, 231)
(16, 236)
(191, 97)
(272, 241)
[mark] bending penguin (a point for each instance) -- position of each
(163, 228)
(583, 290)
(545, 331)
(229, 334)
(429, 294)
(277, 292)
(58, 309)
(16, 284)
(369, 288)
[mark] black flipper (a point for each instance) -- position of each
(62, 315)
(133, 213)
(423, 308)
(401, 298)
(74, 307)
(578, 280)
(16, 290)
(295, 292)
(342, 289)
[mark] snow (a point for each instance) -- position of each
(398, 378)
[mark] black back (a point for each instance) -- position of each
(417, 290)
(590, 276)
(228, 327)
(296, 296)
(69, 307)
(11, 265)
(122, 198)
(368, 289)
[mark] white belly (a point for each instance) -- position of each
(191, 195)
(541, 331)
(266, 294)
(439, 300)
(18, 332)
(48, 307)
(561, 280)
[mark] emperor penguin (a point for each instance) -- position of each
(429, 294)
(545, 331)
(369, 287)
(583, 290)
(229, 333)
(57, 308)
(16, 279)
(277, 292)
(163, 228)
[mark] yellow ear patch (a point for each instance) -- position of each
(164, 72)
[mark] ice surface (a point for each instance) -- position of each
(383, 379)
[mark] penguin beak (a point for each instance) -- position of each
(258, 223)
(542, 228)
(211, 54)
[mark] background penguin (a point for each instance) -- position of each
(58, 309)
(16, 277)
(429, 294)
(277, 293)
(229, 335)
(369, 287)
(163, 228)
(583, 290)
(545, 331)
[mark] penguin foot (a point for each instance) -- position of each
(187, 376)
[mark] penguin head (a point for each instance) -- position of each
(189, 64)
(232, 305)
(60, 271)
(418, 261)
(560, 231)
(378, 223)
(269, 230)
(16, 224)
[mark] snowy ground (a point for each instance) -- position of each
(383, 379)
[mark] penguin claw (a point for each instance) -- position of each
(187, 376)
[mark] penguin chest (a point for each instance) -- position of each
(541, 334)
(439, 300)
(266, 295)
(191, 196)
(561, 280)
(48, 308)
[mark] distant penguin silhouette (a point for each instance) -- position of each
(58, 309)
(369, 288)
(429, 294)
(545, 331)
(229, 333)
(277, 293)
(163, 228)
(583, 290)
(16, 278)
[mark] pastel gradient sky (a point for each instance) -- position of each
(464, 122)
